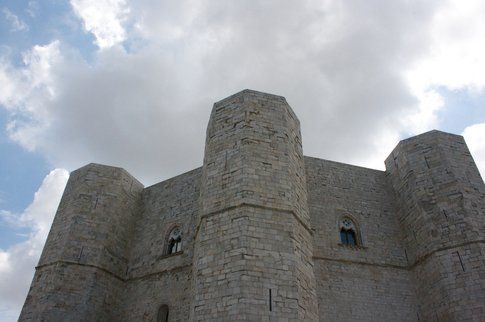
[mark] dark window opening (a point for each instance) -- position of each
(174, 241)
(162, 315)
(175, 245)
(347, 237)
(270, 301)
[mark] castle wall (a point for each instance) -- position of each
(358, 292)
(368, 282)
(155, 278)
(260, 230)
(144, 295)
(69, 292)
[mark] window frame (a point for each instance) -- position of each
(173, 239)
(349, 226)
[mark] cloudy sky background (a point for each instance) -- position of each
(132, 83)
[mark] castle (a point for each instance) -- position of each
(262, 233)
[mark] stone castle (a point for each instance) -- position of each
(262, 233)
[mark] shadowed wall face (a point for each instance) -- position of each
(369, 281)
(156, 278)
(253, 257)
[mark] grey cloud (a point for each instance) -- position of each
(340, 65)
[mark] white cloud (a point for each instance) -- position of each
(152, 102)
(26, 93)
(4, 262)
(32, 8)
(18, 261)
(425, 118)
(475, 139)
(350, 71)
(104, 19)
(15, 22)
(19, 85)
(457, 48)
(454, 59)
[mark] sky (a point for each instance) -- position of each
(132, 83)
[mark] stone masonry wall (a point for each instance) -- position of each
(84, 262)
(155, 278)
(348, 291)
(260, 233)
(370, 282)
(441, 207)
(247, 254)
(252, 255)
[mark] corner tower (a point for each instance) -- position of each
(253, 247)
(441, 208)
(82, 269)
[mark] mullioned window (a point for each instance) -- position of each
(348, 232)
(174, 241)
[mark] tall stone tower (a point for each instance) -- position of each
(441, 202)
(253, 246)
(83, 266)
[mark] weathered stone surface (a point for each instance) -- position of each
(441, 209)
(254, 232)
(370, 282)
(83, 266)
(260, 228)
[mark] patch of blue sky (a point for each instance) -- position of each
(461, 108)
(10, 236)
(38, 23)
(47, 21)
(21, 171)
(21, 174)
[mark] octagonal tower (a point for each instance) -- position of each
(253, 251)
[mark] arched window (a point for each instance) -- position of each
(162, 315)
(174, 242)
(348, 232)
